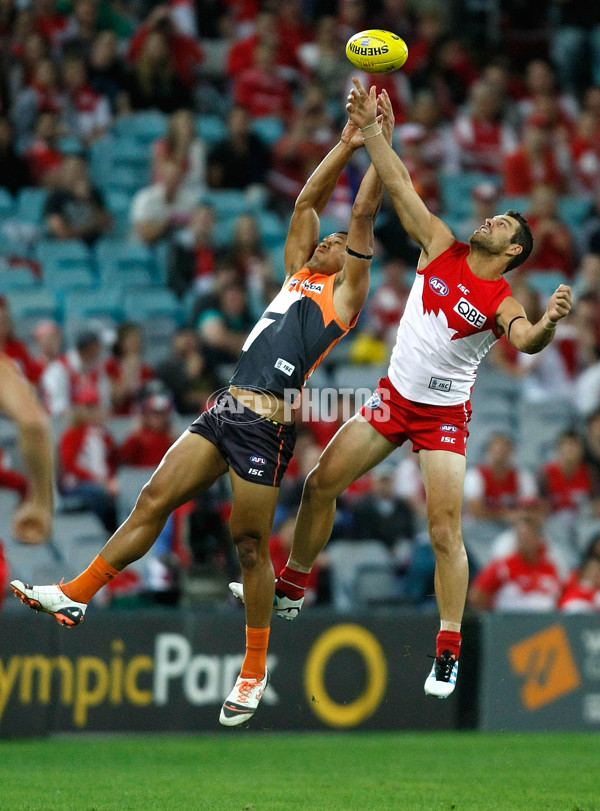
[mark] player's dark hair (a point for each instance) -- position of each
(522, 237)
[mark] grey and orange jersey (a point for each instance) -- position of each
(292, 337)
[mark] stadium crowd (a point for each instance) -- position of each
(150, 156)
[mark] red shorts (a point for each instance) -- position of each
(429, 427)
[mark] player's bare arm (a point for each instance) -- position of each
(303, 233)
(528, 337)
(352, 283)
(431, 233)
(32, 520)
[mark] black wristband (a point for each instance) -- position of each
(358, 255)
(512, 321)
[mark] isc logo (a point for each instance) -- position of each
(469, 313)
(254, 471)
(438, 286)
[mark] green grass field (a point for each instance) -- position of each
(462, 771)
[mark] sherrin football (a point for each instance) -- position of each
(376, 51)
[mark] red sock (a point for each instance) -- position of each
(448, 640)
(292, 583)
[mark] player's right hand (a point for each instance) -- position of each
(32, 523)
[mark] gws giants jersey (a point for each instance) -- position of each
(448, 327)
(293, 335)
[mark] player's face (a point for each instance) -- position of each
(495, 234)
(328, 256)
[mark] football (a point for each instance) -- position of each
(376, 51)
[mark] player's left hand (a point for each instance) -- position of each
(32, 523)
(362, 107)
(386, 119)
(560, 303)
(352, 135)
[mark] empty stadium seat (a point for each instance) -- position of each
(106, 302)
(145, 126)
(211, 128)
(30, 204)
(455, 191)
(33, 302)
(17, 278)
(7, 203)
(69, 278)
(268, 128)
(151, 302)
(64, 253)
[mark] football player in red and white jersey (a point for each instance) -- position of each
(459, 306)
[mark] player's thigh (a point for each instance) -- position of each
(443, 476)
(190, 466)
(355, 449)
(253, 509)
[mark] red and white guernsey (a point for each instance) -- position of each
(448, 327)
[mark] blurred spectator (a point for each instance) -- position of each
(480, 137)
(386, 306)
(193, 254)
(242, 159)
(448, 71)
(182, 145)
(126, 369)
(425, 111)
(78, 368)
(14, 348)
(524, 580)
(260, 89)
(43, 95)
(299, 151)
(48, 339)
(153, 82)
(423, 173)
(306, 456)
(493, 492)
(533, 162)
(87, 112)
(179, 49)
(541, 84)
(575, 43)
(553, 244)
(76, 209)
(147, 444)
(107, 70)
(585, 153)
(351, 17)
(44, 157)
(11, 479)
(25, 56)
(484, 200)
(14, 169)
(324, 60)
(383, 515)
(509, 87)
(590, 230)
(224, 327)
(397, 86)
(81, 27)
(582, 592)
(247, 254)
(186, 373)
(161, 209)
(264, 30)
(88, 459)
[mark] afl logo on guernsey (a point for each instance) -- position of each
(451, 429)
(438, 286)
(257, 460)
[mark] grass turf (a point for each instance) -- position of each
(253, 771)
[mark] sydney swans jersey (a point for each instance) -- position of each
(291, 338)
(448, 327)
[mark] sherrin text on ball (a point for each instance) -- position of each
(377, 51)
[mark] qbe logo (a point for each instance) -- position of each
(469, 313)
(438, 286)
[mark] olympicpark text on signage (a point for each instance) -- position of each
(86, 682)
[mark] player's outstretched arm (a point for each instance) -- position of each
(303, 233)
(426, 229)
(32, 520)
(528, 337)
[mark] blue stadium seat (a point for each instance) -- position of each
(30, 204)
(574, 210)
(268, 128)
(150, 302)
(227, 202)
(64, 253)
(113, 275)
(272, 229)
(117, 257)
(17, 278)
(33, 302)
(104, 303)
(455, 191)
(145, 127)
(211, 128)
(545, 282)
(7, 203)
(520, 202)
(118, 202)
(66, 278)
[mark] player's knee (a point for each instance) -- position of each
(248, 548)
(445, 538)
(153, 501)
(318, 486)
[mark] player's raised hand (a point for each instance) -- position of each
(352, 135)
(32, 522)
(387, 115)
(560, 303)
(362, 107)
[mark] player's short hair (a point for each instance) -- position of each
(522, 237)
